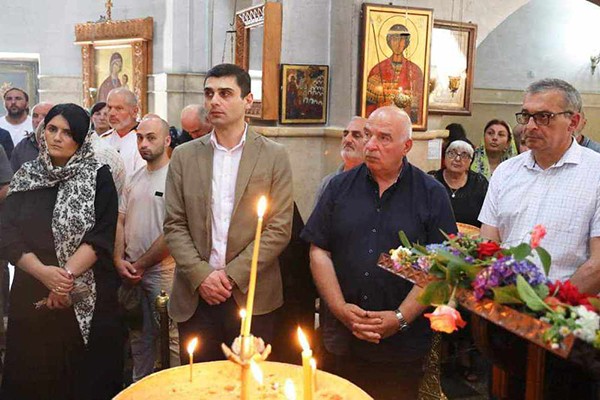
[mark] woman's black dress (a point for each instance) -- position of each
(468, 200)
(45, 356)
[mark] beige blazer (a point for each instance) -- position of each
(264, 170)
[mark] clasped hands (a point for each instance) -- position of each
(216, 287)
(60, 283)
(130, 272)
(371, 326)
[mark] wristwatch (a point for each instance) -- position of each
(403, 324)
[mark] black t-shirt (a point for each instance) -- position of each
(467, 200)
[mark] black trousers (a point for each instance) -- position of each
(218, 324)
(381, 380)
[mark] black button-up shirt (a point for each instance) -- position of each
(356, 225)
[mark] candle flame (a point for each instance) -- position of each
(303, 341)
(256, 372)
(262, 206)
(192, 346)
(243, 313)
(289, 390)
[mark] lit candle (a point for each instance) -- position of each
(313, 373)
(289, 390)
(306, 368)
(190, 348)
(256, 372)
(262, 206)
(243, 318)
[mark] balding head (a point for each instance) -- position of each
(153, 139)
(389, 132)
(194, 121)
(122, 110)
(38, 113)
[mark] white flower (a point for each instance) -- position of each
(564, 331)
(398, 255)
(588, 322)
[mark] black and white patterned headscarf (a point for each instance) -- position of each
(73, 214)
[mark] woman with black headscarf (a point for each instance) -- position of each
(64, 338)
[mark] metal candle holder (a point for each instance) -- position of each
(242, 351)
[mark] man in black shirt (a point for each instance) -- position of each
(382, 338)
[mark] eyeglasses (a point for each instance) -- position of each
(453, 155)
(540, 118)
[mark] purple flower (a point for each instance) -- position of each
(503, 272)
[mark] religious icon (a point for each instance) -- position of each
(115, 53)
(304, 94)
(113, 69)
(395, 60)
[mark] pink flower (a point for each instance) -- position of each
(537, 235)
(445, 319)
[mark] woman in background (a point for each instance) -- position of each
(497, 146)
(465, 188)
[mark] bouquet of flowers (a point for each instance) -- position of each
(506, 275)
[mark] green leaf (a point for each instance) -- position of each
(437, 292)
(446, 255)
(420, 249)
(507, 295)
(472, 270)
(529, 296)
(521, 251)
(594, 302)
(542, 291)
(404, 240)
(437, 270)
(454, 271)
(544, 258)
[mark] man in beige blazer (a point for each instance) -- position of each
(213, 186)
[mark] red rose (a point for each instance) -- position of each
(487, 249)
(568, 293)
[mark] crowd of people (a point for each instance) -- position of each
(101, 211)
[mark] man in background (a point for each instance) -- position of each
(194, 123)
(122, 116)
(584, 140)
(17, 120)
(352, 152)
(28, 149)
(141, 254)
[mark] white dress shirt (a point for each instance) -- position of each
(565, 198)
(226, 163)
(127, 148)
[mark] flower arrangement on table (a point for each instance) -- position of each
(505, 275)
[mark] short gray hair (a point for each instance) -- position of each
(130, 97)
(571, 96)
(460, 145)
(198, 109)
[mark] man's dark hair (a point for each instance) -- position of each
(19, 90)
(97, 107)
(242, 78)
